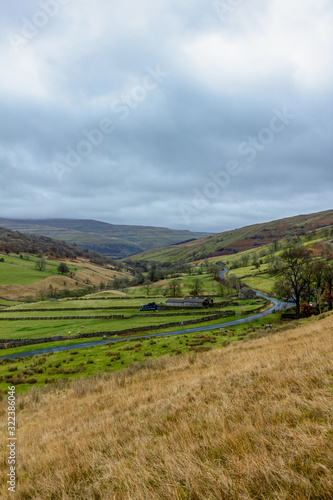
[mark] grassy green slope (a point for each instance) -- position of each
(16, 271)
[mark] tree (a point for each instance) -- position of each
(147, 287)
(245, 259)
(173, 289)
(119, 284)
(328, 297)
(220, 287)
(274, 246)
(328, 271)
(318, 275)
(275, 265)
(212, 269)
(233, 282)
(63, 268)
(138, 279)
(292, 274)
(197, 287)
(307, 310)
(40, 265)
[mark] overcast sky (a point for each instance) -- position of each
(179, 113)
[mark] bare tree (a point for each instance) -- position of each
(197, 287)
(173, 289)
(40, 265)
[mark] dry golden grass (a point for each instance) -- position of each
(252, 421)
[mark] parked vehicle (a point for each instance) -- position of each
(152, 306)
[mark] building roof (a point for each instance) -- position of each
(194, 300)
(198, 300)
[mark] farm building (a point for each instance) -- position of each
(190, 302)
(247, 293)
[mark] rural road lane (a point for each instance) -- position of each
(277, 306)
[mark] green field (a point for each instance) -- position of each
(258, 280)
(48, 369)
(43, 328)
(16, 271)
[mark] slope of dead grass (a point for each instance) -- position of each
(252, 421)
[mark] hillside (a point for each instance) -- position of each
(20, 253)
(253, 420)
(107, 239)
(17, 242)
(238, 240)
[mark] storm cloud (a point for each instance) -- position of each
(206, 115)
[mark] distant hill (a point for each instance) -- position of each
(238, 240)
(107, 239)
(21, 243)
(21, 279)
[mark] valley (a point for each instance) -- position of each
(73, 328)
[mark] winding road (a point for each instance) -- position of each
(276, 306)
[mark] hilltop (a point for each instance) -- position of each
(107, 239)
(252, 420)
(255, 236)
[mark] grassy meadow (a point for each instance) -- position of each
(253, 420)
(19, 278)
(17, 271)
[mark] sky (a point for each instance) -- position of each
(193, 114)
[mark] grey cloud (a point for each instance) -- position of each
(165, 145)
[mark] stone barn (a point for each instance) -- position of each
(190, 303)
(246, 293)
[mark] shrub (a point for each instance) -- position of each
(201, 348)
(49, 381)
(18, 379)
(28, 372)
(31, 380)
(307, 310)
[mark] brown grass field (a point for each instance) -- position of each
(251, 421)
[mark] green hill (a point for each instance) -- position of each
(239, 240)
(107, 239)
(21, 275)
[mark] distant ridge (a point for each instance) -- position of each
(107, 239)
